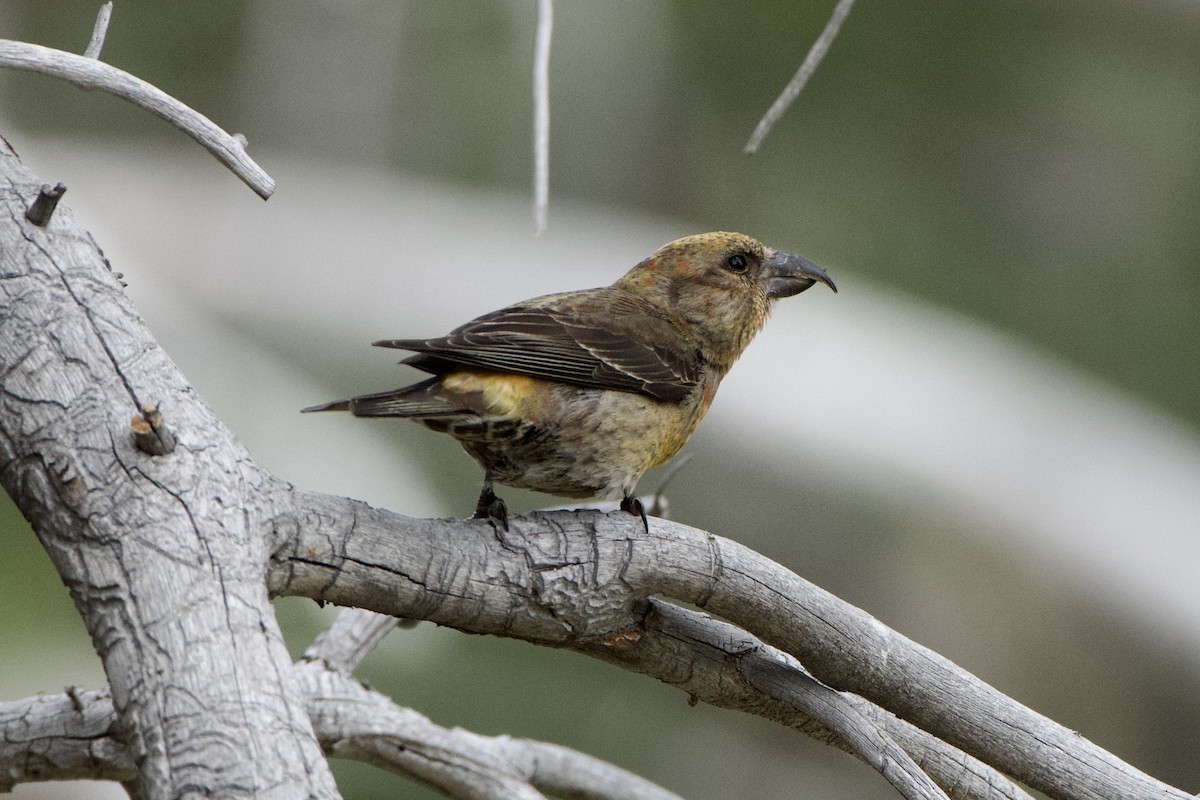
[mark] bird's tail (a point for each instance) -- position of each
(336, 405)
(414, 401)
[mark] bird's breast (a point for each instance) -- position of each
(570, 440)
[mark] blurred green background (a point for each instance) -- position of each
(1033, 167)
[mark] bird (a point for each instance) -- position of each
(577, 394)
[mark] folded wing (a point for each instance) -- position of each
(602, 338)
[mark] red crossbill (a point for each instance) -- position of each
(578, 394)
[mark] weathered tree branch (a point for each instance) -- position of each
(350, 638)
(73, 736)
(722, 665)
(90, 73)
(68, 736)
(163, 555)
(168, 559)
(577, 580)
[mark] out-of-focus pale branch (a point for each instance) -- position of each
(353, 633)
(90, 73)
(541, 113)
(792, 90)
(99, 31)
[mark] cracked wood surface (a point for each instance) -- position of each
(578, 579)
(163, 556)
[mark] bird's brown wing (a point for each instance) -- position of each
(601, 338)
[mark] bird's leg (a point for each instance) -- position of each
(491, 507)
(631, 504)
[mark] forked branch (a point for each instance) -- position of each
(580, 580)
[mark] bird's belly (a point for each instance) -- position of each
(577, 442)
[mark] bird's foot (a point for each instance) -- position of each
(491, 507)
(631, 504)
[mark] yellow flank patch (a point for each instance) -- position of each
(671, 443)
(677, 429)
(503, 393)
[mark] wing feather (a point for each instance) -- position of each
(602, 338)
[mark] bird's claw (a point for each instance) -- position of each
(491, 507)
(633, 505)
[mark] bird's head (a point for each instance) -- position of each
(721, 286)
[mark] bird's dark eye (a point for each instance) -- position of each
(737, 262)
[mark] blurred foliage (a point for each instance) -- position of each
(27, 574)
(1031, 164)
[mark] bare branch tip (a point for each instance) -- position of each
(73, 693)
(150, 434)
(99, 31)
(42, 208)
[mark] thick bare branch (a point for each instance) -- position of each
(163, 555)
(576, 580)
(90, 73)
(61, 737)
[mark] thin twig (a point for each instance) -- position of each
(99, 31)
(660, 506)
(88, 73)
(792, 90)
(541, 113)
